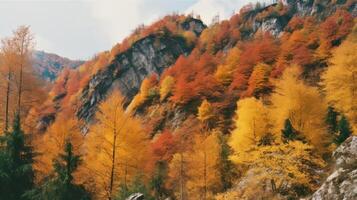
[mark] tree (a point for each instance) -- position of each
(259, 80)
(225, 72)
(158, 180)
(22, 89)
(7, 57)
(344, 130)
(178, 175)
(253, 126)
(282, 169)
(303, 106)
(227, 170)
(53, 142)
(205, 111)
(148, 90)
(60, 185)
(166, 87)
(22, 42)
(289, 133)
(113, 157)
(340, 79)
(203, 173)
(16, 170)
(331, 119)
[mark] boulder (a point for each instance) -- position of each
(136, 196)
(342, 183)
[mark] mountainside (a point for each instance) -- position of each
(270, 92)
(150, 55)
(49, 65)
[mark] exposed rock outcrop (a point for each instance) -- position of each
(342, 183)
(149, 55)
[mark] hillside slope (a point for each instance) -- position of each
(270, 91)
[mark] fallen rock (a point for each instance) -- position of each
(136, 196)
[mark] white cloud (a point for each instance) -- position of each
(208, 9)
(118, 18)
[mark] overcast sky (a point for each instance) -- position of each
(80, 28)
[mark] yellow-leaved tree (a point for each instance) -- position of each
(203, 174)
(253, 127)
(166, 87)
(340, 79)
(224, 73)
(268, 165)
(205, 111)
(303, 106)
(117, 148)
(259, 80)
(52, 143)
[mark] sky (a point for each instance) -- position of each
(78, 29)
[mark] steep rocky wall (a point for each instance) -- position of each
(147, 56)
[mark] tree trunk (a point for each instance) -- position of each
(8, 87)
(113, 166)
(181, 176)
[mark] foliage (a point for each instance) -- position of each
(344, 130)
(113, 157)
(61, 185)
(166, 87)
(303, 106)
(339, 79)
(205, 111)
(16, 173)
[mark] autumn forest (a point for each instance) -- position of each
(252, 107)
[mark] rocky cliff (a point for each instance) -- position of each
(150, 55)
(342, 183)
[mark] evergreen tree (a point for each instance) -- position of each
(157, 183)
(227, 169)
(344, 130)
(288, 133)
(331, 119)
(16, 158)
(60, 186)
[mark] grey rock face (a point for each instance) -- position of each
(147, 56)
(150, 55)
(136, 196)
(342, 183)
(273, 26)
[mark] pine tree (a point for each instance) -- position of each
(344, 130)
(61, 186)
(16, 158)
(288, 133)
(158, 180)
(331, 119)
(226, 167)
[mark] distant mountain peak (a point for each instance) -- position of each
(49, 65)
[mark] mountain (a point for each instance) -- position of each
(268, 91)
(49, 65)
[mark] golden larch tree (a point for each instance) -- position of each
(252, 127)
(303, 106)
(117, 148)
(340, 79)
(202, 168)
